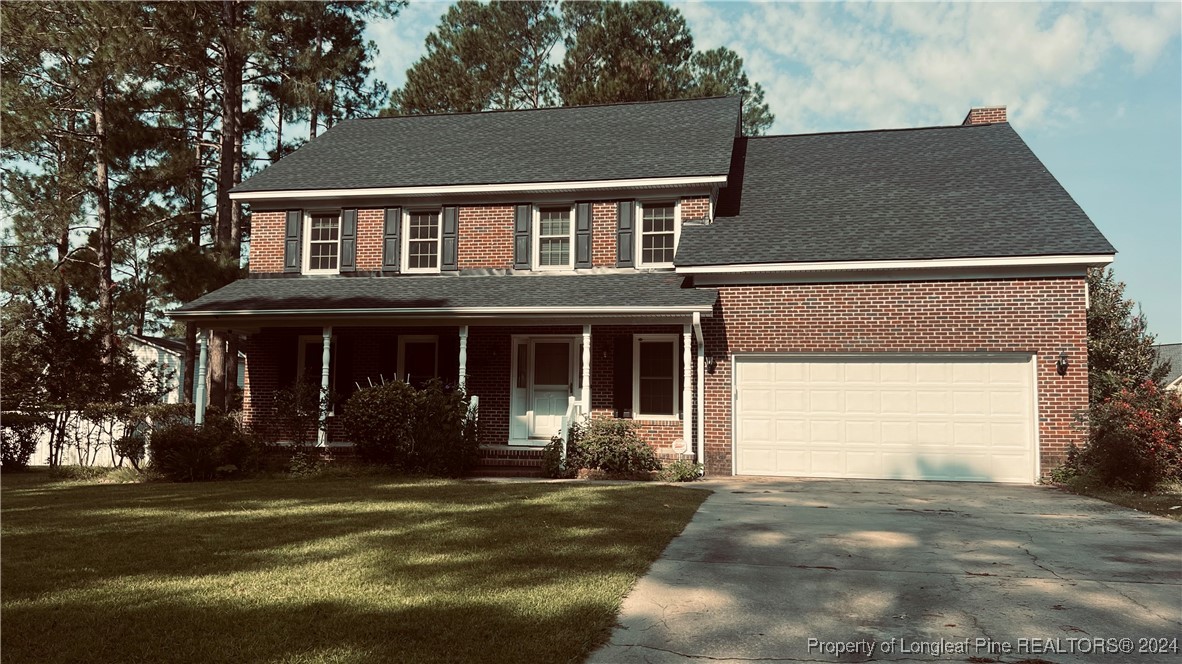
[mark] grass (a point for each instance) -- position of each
(369, 569)
(1160, 502)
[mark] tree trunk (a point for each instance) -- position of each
(103, 213)
(190, 361)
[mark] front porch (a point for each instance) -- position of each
(530, 380)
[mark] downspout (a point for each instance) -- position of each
(701, 410)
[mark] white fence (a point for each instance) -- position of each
(85, 443)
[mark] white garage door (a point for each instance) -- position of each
(886, 417)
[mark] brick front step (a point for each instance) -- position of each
(498, 471)
(508, 461)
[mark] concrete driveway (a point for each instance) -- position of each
(825, 570)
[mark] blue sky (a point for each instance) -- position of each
(1094, 89)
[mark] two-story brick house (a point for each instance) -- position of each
(896, 304)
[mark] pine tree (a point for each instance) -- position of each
(1120, 351)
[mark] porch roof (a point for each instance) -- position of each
(640, 293)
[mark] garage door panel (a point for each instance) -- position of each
(901, 418)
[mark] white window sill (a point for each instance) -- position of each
(656, 418)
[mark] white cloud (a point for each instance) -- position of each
(401, 40)
(846, 66)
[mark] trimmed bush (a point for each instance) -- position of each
(605, 444)
(1135, 439)
(183, 453)
(428, 430)
(680, 470)
(19, 433)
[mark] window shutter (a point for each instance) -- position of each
(521, 232)
(348, 241)
(448, 238)
(622, 383)
(583, 235)
(625, 234)
(287, 350)
(391, 247)
(291, 240)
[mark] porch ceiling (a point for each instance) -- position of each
(500, 296)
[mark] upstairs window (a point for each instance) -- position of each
(422, 241)
(324, 243)
(658, 234)
(554, 237)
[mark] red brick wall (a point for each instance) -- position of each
(1042, 316)
(486, 236)
(370, 230)
(695, 208)
(266, 241)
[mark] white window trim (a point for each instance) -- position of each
(404, 339)
(536, 239)
(636, 413)
(640, 205)
(406, 213)
(306, 242)
(317, 340)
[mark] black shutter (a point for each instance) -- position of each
(448, 259)
(522, 225)
(348, 241)
(583, 235)
(291, 240)
(287, 356)
(391, 247)
(622, 383)
(625, 234)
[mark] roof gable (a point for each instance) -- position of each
(609, 142)
(943, 192)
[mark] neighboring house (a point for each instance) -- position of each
(882, 304)
(168, 357)
(1171, 353)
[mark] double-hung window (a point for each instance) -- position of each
(323, 233)
(655, 376)
(658, 234)
(422, 241)
(555, 237)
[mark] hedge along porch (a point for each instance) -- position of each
(531, 373)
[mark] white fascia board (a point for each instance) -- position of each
(935, 263)
(523, 187)
(678, 311)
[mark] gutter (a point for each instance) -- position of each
(701, 411)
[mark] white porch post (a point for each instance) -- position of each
(325, 358)
(586, 377)
(199, 390)
(687, 394)
(463, 378)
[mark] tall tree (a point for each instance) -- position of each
(485, 56)
(499, 56)
(1120, 350)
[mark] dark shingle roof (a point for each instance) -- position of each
(1171, 353)
(610, 142)
(944, 192)
(652, 291)
(175, 345)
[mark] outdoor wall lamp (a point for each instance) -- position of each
(1061, 364)
(711, 363)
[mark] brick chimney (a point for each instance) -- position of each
(985, 115)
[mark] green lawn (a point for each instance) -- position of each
(323, 570)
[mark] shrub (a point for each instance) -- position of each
(607, 444)
(79, 472)
(297, 411)
(183, 453)
(680, 470)
(19, 433)
(1134, 439)
(132, 448)
(428, 429)
(377, 420)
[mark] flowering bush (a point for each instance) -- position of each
(1135, 438)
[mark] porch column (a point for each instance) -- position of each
(199, 390)
(687, 393)
(463, 378)
(586, 378)
(325, 358)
